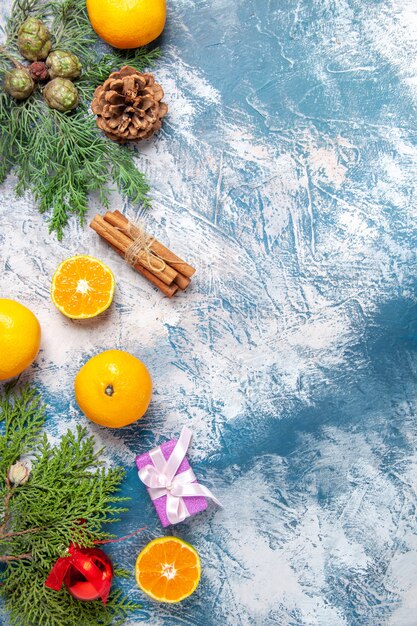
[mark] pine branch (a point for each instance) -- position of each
(63, 157)
(97, 70)
(21, 420)
(6, 56)
(8, 559)
(22, 532)
(69, 499)
(129, 180)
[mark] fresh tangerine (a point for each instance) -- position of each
(20, 338)
(113, 389)
(168, 569)
(82, 287)
(127, 24)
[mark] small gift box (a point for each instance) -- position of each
(170, 481)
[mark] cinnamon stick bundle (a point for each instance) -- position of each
(158, 264)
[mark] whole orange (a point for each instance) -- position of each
(127, 23)
(20, 338)
(113, 389)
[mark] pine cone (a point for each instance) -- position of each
(39, 71)
(129, 105)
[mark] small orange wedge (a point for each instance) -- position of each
(82, 287)
(168, 569)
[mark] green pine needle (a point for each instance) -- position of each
(63, 157)
(39, 519)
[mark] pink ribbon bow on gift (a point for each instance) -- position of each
(161, 479)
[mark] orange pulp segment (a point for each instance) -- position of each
(168, 569)
(82, 287)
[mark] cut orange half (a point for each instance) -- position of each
(82, 287)
(168, 569)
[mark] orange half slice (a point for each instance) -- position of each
(168, 569)
(82, 287)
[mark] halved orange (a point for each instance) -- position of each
(82, 287)
(168, 569)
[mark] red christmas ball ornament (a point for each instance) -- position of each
(86, 572)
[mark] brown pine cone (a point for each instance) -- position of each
(129, 105)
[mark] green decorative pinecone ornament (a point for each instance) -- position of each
(61, 94)
(34, 40)
(63, 64)
(19, 84)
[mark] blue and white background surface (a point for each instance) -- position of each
(286, 172)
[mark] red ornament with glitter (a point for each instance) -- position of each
(86, 572)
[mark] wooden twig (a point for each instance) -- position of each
(6, 559)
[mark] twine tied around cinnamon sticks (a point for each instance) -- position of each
(144, 253)
(142, 244)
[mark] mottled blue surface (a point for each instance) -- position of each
(286, 172)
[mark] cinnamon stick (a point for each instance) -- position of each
(182, 281)
(123, 243)
(168, 290)
(120, 221)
